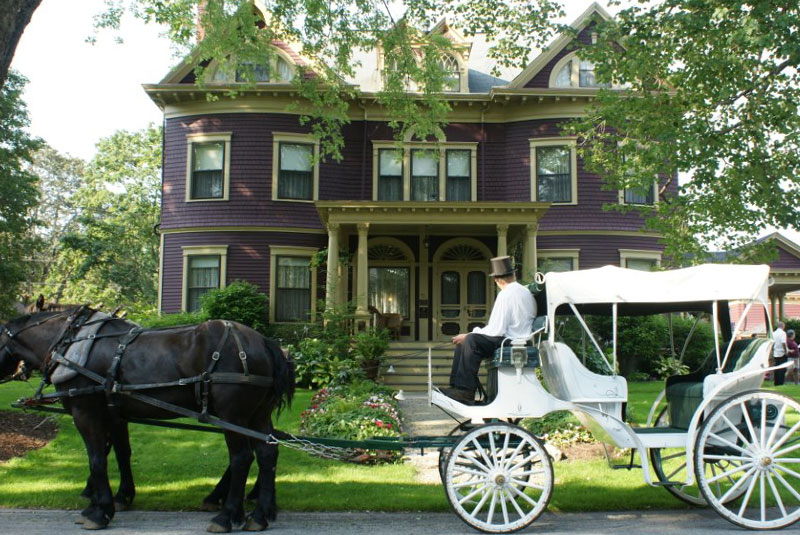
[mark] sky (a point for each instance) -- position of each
(79, 93)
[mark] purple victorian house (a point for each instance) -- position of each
(242, 199)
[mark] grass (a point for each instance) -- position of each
(175, 469)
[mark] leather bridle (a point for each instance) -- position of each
(21, 372)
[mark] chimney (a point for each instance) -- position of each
(201, 12)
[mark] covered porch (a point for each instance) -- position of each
(425, 262)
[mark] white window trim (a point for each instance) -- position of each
(442, 147)
(573, 254)
(288, 137)
(191, 139)
(570, 142)
(575, 74)
(274, 253)
(638, 254)
(202, 250)
(463, 72)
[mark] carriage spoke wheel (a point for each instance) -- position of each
(498, 478)
(669, 464)
(757, 434)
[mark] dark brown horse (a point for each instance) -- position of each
(220, 369)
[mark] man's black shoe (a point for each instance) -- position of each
(461, 395)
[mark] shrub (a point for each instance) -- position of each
(792, 323)
(359, 411)
(320, 363)
(240, 301)
(156, 321)
(560, 428)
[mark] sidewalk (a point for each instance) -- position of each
(422, 419)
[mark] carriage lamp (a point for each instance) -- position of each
(519, 357)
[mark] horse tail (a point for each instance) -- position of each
(283, 376)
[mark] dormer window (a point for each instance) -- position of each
(572, 71)
(276, 71)
(451, 73)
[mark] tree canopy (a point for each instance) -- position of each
(712, 95)
(18, 194)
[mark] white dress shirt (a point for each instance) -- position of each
(779, 337)
(513, 313)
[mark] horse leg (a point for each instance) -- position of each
(101, 509)
(267, 458)
(87, 490)
(121, 441)
(213, 501)
(241, 457)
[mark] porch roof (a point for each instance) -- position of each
(431, 213)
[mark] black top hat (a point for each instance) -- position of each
(501, 266)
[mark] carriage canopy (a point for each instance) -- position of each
(643, 292)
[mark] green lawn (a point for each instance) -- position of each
(174, 469)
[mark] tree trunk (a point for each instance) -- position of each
(14, 17)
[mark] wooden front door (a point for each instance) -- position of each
(463, 300)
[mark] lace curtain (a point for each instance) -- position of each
(207, 164)
(553, 175)
(296, 180)
(203, 276)
(293, 289)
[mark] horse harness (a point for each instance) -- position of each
(112, 386)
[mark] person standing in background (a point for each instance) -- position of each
(779, 352)
(793, 353)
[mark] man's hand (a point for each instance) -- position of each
(459, 338)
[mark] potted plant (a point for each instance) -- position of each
(370, 349)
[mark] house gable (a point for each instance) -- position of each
(537, 74)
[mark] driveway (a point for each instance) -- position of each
(697, 522)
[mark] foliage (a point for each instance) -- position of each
(642, 342)
(371, 345)
(60, 176)
(18, 194)
(320, 363)
(156, 321)
(358, 411)
(793, 323)
(669, 366)
(712, 92)
(111, 252)
(560, 428)
(239, 301)
(332, 36)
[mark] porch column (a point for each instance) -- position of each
(781, 311)
(424, 298)
(502, 240)
(362, 278)
(529, 261)
(332, 280)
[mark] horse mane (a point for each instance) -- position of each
(283, 374)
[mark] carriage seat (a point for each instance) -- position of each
(502, 357)
(684, 393)
(569, 380)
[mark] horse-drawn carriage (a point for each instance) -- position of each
(713, 436)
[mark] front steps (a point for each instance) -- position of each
(406, 366)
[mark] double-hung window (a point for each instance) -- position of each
(642, 260)
(296, 174)
(292, 289)
(208, 167)
(558, 260)
(644, 196)
(203, 271)
(390, 175)
(295, 169)
(553, 174)
(459, 171)
(424, 175)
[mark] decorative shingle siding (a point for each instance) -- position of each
(542, 78)
(248, 257)
(597, 251)
(786, 260)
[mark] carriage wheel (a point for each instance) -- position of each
(498, 478)
(758, 434)
(669, 464)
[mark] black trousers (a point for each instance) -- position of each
(467, 359)
(780, 375)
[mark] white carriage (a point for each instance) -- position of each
(713, 436)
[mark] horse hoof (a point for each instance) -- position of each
(210, 507)
(121, 506)
(253, 525)
(80, 520)
(90, 524)
(213, 527)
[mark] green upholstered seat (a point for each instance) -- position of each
(685, 392)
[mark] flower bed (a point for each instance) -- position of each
(357, 411)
